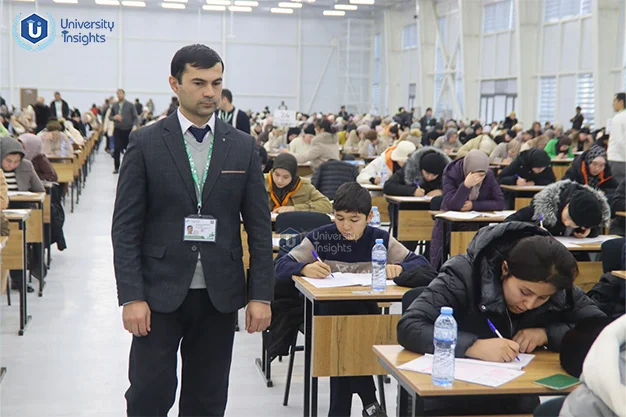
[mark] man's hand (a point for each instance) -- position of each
(284, 209)
(435, 193)
(316, 269)
(393, 271)
(467, 206)
(493, 350)
(118, 117)
(136, 318)
(419, 192)
(585, 232)
(258, 316)
(521, 182)
(529, 339)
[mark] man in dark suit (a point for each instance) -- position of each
(59, 108)
(190, 168)
(231, 115)
(124, 115)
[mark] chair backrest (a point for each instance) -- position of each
(297, 223)
(410, 296)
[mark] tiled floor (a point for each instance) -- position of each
(73, 359)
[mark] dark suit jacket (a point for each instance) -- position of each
(156, 192)
(65, 108)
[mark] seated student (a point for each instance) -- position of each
(449, 143)
(21, 176)
(521, 279)
(301, 144)
(331, 175)
(582, 141)
(55, 142)
(560, 148)
(482, 143)
(592, 169)
(352, 143)
(531, 167)
(386, 164)
(277, 141)
(73, 134)
(372, 144)
(505, 152)
(33, 146)
(288, 192)
(567, 208)
(618, 203)
(468, 184)
(352, 208)
(601, 393)
(421, 175)
(539, 142)
(324, 146)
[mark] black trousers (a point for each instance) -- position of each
(206, 350)
(121, 142)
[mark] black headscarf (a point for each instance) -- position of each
(289, 163)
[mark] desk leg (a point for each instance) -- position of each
(72, 196)
(447, 231)
(395, 208)
(263, 363)
(308, 336)
(313, 397)
(42, 261)
(24, 317)
(48, 230)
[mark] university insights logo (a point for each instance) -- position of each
(34, 32)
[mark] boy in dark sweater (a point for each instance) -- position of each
(346, 246)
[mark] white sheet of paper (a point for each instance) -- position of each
(524, 360)
(16, 193)
(490, 376)
(571, 240)
(463, 215)
(504, 213)
(344, 279)
(424, 199)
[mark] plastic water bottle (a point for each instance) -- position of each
(370, 150)
(384, 174)
(375, 222)
(444, 340)
(379, 266)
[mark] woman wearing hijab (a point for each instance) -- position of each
(591, 168)
(482, 143)
(32, 145)
(449, 142)
(55, 142)
(468, 184)
(421, 175)
(505, 152)
(288, 192)
(531, 167)
(21, 176)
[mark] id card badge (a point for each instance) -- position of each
(200, 228)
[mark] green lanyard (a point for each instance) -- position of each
(194, 172)
(225, 116)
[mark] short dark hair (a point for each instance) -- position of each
(542, 259)
(578, 108)
(429, 109)
(227, 95)
(197, 56)
(621, 97)
(325, 125)
(122, 90)
(352, 198)
(56, 92)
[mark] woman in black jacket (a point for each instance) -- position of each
(521, 279)
(591, 168)
(531, 167)
(421, 175)
(567, 208)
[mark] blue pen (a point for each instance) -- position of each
(541, 221)
(316, 256)
(517, 176)
(497, 333)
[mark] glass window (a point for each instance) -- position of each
(585, 97)
(547, 99)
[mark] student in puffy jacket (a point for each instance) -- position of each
(331, 175)
(288, 192)
(421, 175)
(468, 184)
(521, 279)
(531, 167)
(567, 208)
(386, 164)
(592, 169)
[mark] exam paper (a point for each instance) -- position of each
(490, 376)
(571, 240)
(344, 279)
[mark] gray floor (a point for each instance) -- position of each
(73, 359)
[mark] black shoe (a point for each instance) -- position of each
(29, 288)
(374, 410)
(116, 171)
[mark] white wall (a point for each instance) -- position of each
(269, 59)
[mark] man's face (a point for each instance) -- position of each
(618, 105)
(351, 224)
(429, 113)
(57, 97)
(120, 95)
(199, 90)
(308, 138)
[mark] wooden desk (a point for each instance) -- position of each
(305, 169)
(621, 213)
(619, 274)
(417, 223)
(342, 345)
(378, 200)
(560, 167)
(64, 166)
(372, 187)
(14, 257)
(420, 385)
(35, 223)
(523, 194)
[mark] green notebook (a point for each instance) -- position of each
(558, 382)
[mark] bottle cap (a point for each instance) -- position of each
(447, 311)
(375, 208)
(379, 241)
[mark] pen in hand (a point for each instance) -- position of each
(541, 221)
(317, 258)
(497, 333)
